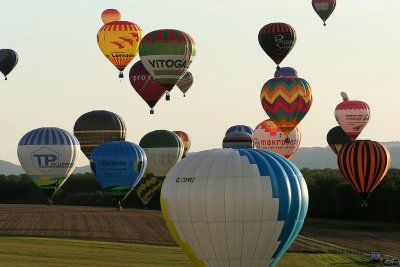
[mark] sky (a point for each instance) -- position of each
(62, 74)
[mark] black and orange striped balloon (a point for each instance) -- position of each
(364, 163)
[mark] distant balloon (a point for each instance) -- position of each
(268, 136)
(186, 141)
(286, 100)
(352, 116)
(8, 60)
(324, 8)
(167, 55)
(364, 163)
(337, 138)
(277, 40)
(238, 140)
(163, 149)
(118, 167)
(119, 42)
(96, 127)
(110, 15)
(234, 207)
(48, 155)
(185, 82)
(285, 71)
(145, 85)
(239, 128)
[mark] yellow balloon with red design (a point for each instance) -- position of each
(119, 41)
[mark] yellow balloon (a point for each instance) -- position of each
(119, 41)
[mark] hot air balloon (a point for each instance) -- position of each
(286, 100)
(96, 127)
(324, 8)
(8, 60)
(185, 82)
(118, 167)
(119, 42)
(268, 136)
(145, 85)
(167, 54)
(48, 155)
(285, 71)
(277, 40)
(163, 149)
(186, 141)
(234, 207)
(110, 15)
(352, 116)
(364, 163)
(238, 140)
(148, 187)
(337, 138)
(239, 128)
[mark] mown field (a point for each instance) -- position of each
(85, 236)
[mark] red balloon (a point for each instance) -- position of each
(144, 84)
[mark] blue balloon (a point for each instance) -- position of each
(118, 167)
(285, 71)
(239, 128)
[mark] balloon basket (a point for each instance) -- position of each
(364, 204)
(151, 111)
(121, 75)
(167, 97)
(50, 202)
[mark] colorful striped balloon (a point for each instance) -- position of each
(239, 128)
(148, 186)
(185, 82)
(286, 100)
(186, 141)
(364, 163)
(110, 15)
(167, 54)
(238, 140)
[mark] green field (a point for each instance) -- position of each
(42, 252)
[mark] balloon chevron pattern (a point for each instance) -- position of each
(286, 100)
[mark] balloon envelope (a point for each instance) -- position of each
(48, 155)
(96, 127)
(324, 8)
(268, 136)
(238, 140)
(239, 128)
(8, 60)
(231, 207)
(110, 15)
(148, 187)
(285, 71)
(337, 138)
(185, 82)
(186, 141)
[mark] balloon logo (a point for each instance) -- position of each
(352, 116)
(185, 82)
(227, 207)
(8, 60)
(48, 155)
(286, 100)
(277, 40)
(119, 42)
(364, 163)
(337, 138)
(324, 8)
(268, 136)
(238, 140)
(110, 15)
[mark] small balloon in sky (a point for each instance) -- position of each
(110, 15)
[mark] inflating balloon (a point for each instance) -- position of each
(186, 141)
(185, 82)
(364, 163)
(8, 60)
(48, 155)
(110, 15)
(145, 85)
(234, 207)
(268, 136)
(119, 42)
(238, 140)
(352, 116)
(285, 71)
(337, 138)
(239, 128)
(286, 100)
(277, 40)
(324, 8)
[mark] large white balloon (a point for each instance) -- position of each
(234, 207)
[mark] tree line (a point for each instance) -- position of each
(330, 195)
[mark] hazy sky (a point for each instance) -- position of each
(62, 73)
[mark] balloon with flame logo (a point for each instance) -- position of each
(337, 138)
(8, 61)
(96, 127)
(145, 85)
(48, 155)
(234, 207)
(118, 167)
(324, 8)
(239, 128)
(185, 82)
(238, 140)
(186, 141)
(119, 42)
(268, 136)
(110, 15)
(277, 40)
(286, 100)
(167, 55)
(285, 71)
(352, 116)
(364, 163)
